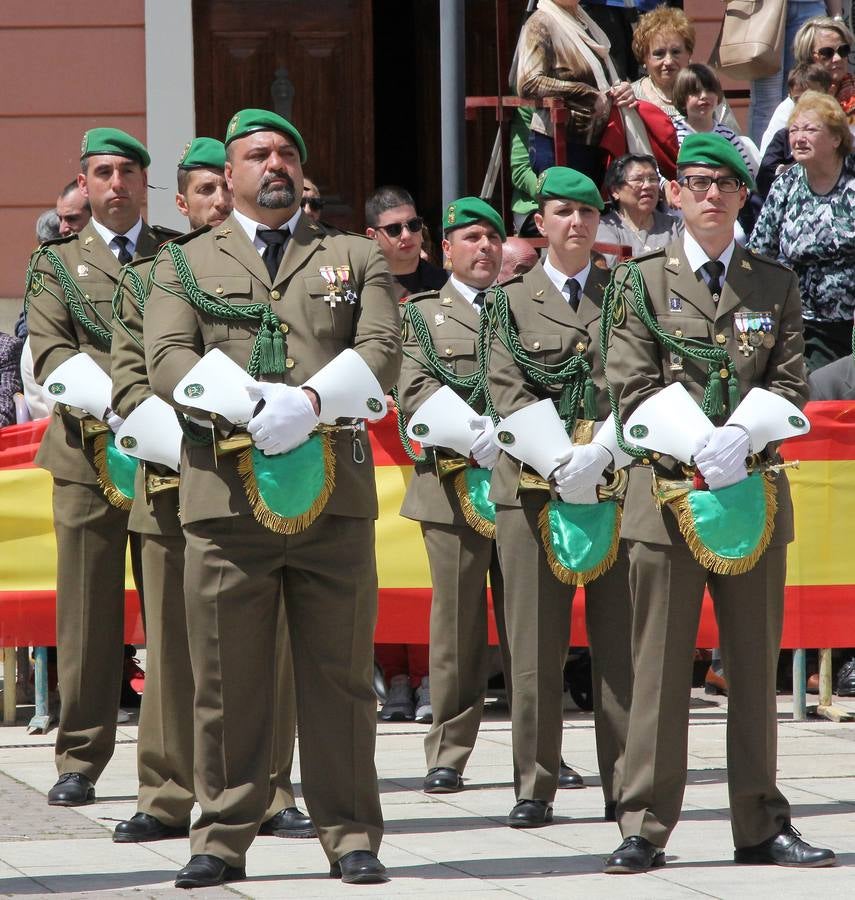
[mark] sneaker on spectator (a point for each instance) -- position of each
(424, 711)
(399, 703)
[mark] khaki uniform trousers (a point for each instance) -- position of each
(236, 574)
(667, 589)
(165, 745)
(537, 611)
(91, 540)
(460, 560)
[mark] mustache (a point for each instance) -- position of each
(279, 197)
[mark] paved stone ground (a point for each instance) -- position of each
(451, 846)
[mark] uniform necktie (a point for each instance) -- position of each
(122, 242)
(275, 239)
(478, 301)
(715, 269)
(571, 292)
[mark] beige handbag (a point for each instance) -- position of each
(751, 41)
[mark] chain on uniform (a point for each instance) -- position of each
(269, 349)
(474, 386)
(721, 366)
(574, 375)
(73, 297)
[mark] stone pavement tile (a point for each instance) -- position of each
(25, 815)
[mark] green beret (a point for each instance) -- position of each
(248, 120)
(467, 211)
(113, 142)
(710, 149)
(561, 183)
(203, 152)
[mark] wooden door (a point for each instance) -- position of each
(310, 61)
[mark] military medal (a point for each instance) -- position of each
(768, 337)
(328, 274)
(741, 325)
(350, 295)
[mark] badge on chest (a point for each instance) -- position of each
(753, 330)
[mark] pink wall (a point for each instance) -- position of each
(66, 67)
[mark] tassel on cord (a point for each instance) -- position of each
(715, 393)
(265, 346)
(278, 351)
(565, 403)
(590, 400)
(733, 391)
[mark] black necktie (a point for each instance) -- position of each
(715, 269)
(478, 301)
(122, 242)
(275, 249)
(572, 287)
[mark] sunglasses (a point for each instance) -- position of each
(315, 204)
(414, 226)
(828, 53)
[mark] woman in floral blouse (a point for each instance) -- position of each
(808, 222)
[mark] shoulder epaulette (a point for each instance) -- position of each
(650, 254)
(164, 234)
(59, 240)
(422, 295)
(514, 279)
(188, 236)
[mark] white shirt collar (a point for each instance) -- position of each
(697, 256)
(559, 278)
(466, 291)
(132, 234)
(251, 227)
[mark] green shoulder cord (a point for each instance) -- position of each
(270, 348)
(138, 290)
(721, 367)
(574, 375)
(72, 297)
(474, 386)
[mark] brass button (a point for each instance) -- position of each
(656, 455)
(283, 327)
(723, 373)
(645, 461)
(581, 346)
(87, 296)
(275, 295)
(720, 339)
(219, 289)
(678, 333)
(289, 363)
(448, 351)
(213, 416)
(536, 345)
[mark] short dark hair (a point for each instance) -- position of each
(389, 196)
(183, 179)
(696, 77)
(808, 75)
(69, 188)
(616, 173)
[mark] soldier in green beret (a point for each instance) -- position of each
(70, 287)
(720, 320)
(305, 295)
(546, 342)
(203, 195)
(442, 340)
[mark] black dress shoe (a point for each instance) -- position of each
(785, 849)
(441, 780)
(610, 811)
(569, 778)
(204, 870)
(635, 854)
(289, 823)
(530, 814)
(143, 827)
(71, 789)
(359, 867)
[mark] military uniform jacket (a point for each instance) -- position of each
(553, 332)
(56, 336)
(639, 366)
(157, 514)
(226, 265)
(453, 324)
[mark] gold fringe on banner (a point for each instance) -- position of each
(474, 519)
(114, 496)
(723, 565)
(272, 520)
(570, 576)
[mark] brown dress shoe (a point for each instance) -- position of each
(715, 682)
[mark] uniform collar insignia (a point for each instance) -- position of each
(447, 301)
(673, 261)
(89, 240)
(224, 232)
(745, 264)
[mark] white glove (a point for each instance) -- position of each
(578, 476)
(484, 450)
(285, 422)
(722, 459)
(113, 420)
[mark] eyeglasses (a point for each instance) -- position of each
(828, 53)
(414, 226)
(315, 204)
(727, 184)
(641, 180)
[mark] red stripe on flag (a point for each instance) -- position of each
(832, 433)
